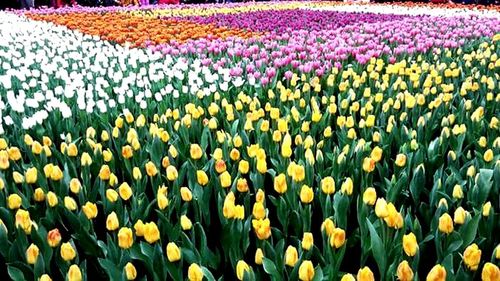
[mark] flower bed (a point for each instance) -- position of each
(248, 143)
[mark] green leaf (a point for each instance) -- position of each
(417, 183)
(318, 274)
(468, 231)
(111, 269)
(377, 248)
(15, 273)
(270, 269)
(207, 274)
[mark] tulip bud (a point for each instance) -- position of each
(68, 253)
(151, 232)
(490, 272)
(410, 245)
(291, 256)
(32, 254)
(259, 256)
(306, 271)
(404, 271)
(307, 241)
(54, 237)
(14, 201)
(445, 224)
(75, 185)
(241, 268)
(74, 273)
(186, 223)
(130, 271)
(112, 222)
(370, 196)
(365, 274)
(337, 239)
(90, 210)
(348, 277)
(52, 199)
(437, 273)
(195, 273)
(45, 277)
(125, 191)
(472, 257)
(70, 203)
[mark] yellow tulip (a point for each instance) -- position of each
(328, 226)
(225, 179)
(460, 216)
(259, 256)
(195, 273)
(86, 160)
(74, 273)
(306, 271)
(486, 209)
(410, 245)
(368, 164)
(14, 201)
(280, 184)
(186, 223)
(75, 185)
(112, 222)
(31, 175)
(404, 271)
(52, 199)
(195, 151)
(328, 185)
(125, 238)
(262, 228)
(70, 203)
(376, 154)
(488, 155)
(130, 271)
(90, 210)
(307, 241)
(400, 160)
(104, 173)
(291, 256)
(54, 238)
(72, 150)
(445, 224)
(173, 252)
(472, 257)
(370, 196)
(337, 239)
(151, 169)
(437, 273)
(23, 220)
(490, 272)
(306, 194)
(186, 194)
(241, 268)
(18, 177)
(39, 195)
(45, 277)
(348, 277)
(111, 195)
(125, 191)
(151, 232)
(68, 253)
(347, 187)
(32, 254)
(365, 274)
(243, 167)
(202, 177)
(457, 192)
(381, 208)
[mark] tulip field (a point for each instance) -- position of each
(251, 141)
